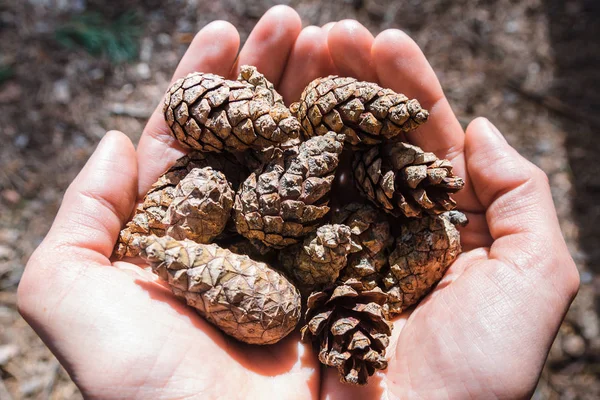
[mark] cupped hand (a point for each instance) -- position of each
(483, 332)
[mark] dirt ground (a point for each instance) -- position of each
(530, 66)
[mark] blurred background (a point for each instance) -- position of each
(72, 69)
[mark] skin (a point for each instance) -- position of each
(484, 332)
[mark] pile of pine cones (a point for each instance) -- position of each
(247, 229)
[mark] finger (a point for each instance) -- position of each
(350, 48)
(327, 27)
(270, 42)
(213, 50)
(402, 67)
(520, 211)
(308, 60)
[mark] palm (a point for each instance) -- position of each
(129, 337)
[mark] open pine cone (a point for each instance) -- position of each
(404, 180)
(347, 324)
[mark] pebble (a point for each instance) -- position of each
(7, 352)
(62, 91)
(574, 346)
(143, 70)
(11, 196)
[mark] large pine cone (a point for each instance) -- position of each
(319, 260)
(366, 113)
(347, 324)
(371, 230)
(288, 197)
(201, 206)
(149, 217)
(244, 298)
(209, 113)
(422, 253)
(405, 181)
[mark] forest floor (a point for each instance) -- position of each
(530, 66)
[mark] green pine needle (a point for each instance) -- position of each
(6, 72)
(117, 40)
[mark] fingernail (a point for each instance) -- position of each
(495, 130)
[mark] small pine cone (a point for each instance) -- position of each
(209, 113)
(287, 198)
(149, 217)
(363, 111)
(246, 299)
(201, 206)
(347, 324)
(405, 181)
(422, 253)
(319, 260)
(371, 230)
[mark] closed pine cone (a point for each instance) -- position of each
(244, 298)
(363, 111)
(149, 216)
(210, 113)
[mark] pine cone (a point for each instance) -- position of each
(404, 180)
(244, 298)
(254, 249)
(319, 260)
(422, 253)
(149, 217)
(371, 231)
(286, 199)
(201, 206)
(263, 89)
(209, 113)
(348, 325)
(363, 111)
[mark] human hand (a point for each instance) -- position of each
(117, 330)
(486, 329)
(121, 334)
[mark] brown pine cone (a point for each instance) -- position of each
(422, 253)
(286, 199)
(319, 260)
(371, 230)
(201, 206)
(263, 89)
(347, 324)
(366, 113)
(209, 113)
(246, 299)
(149, 217)
(405, 181)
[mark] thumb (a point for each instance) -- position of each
(520, 212)
(94, 208)
(100, 199)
